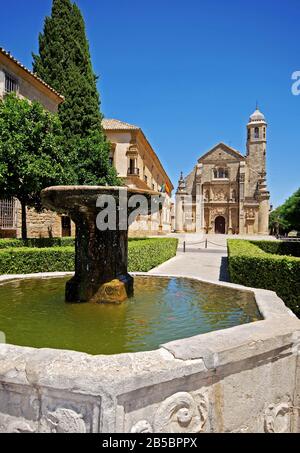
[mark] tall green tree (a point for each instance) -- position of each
(32, 156)
(290, 210)
(64, 62)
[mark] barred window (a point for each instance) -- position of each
(8, 214)
(11, 84)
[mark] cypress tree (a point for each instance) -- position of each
(64, 62)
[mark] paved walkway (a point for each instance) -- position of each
(209, 264)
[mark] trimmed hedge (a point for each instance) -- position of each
(37, 243)
(143, 256)
(149, 253)
(279, 247)
(251, 265)
(45, 242)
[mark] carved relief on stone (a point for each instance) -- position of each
(63, 421)
(250, 214)
(278, 418)
(233, 195)
(19, 426)
(215, 212)
(220, 195)
(142, 426)
(182, 413)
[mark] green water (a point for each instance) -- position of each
(34, 313)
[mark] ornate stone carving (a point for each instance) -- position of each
(19, 426)
(220, 195)
(63, 421)
(250, 214)
(143, 426)
(278, 418)
(182, 413)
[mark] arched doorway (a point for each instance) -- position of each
(220, 225)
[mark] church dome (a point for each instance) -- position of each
(257, 116)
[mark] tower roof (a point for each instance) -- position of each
(257, 117)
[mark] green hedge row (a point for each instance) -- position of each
(37, 242)
(250, 265)
(45, 242)
(143, 256)
(279, 247)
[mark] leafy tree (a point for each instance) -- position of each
(290, 211)
(277, 224)
(64, 62)
(31, 153)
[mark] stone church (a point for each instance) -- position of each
(226, 192)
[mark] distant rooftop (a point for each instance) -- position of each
(116, 125)
(32, 74)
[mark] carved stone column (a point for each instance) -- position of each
(264, 205)
(242, 198)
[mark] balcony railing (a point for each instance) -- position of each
(133, 172)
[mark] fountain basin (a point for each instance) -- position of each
(161, 310)
(242, 379)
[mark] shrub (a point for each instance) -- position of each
(279, 247)
(252, 264)
(25, 260)
(143, 256)
(149, 253)
(37, 242)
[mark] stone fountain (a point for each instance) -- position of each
(101, 257)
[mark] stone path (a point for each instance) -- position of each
(209, 264)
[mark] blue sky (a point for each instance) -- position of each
(189, 73)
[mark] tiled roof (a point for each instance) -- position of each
(8, 54)
(116, 125)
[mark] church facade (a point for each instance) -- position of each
(226, 192)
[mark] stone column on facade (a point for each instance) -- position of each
(264, 205)
(199, 201)
(179, 215)
(242, 198)
(230, 221)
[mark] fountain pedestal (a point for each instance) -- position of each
(101, 257)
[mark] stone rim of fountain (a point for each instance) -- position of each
(115, 393)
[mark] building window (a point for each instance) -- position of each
(249, 134)
(66, 226)
(132, 169)
(256, 132)
(8, 214)
(11, 84)
(264, 132)
(146, 179)
(221, 173)
(153, 187)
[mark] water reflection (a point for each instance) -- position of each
(33, 313)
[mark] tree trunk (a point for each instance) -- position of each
(24, 221)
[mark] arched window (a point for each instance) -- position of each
(256, 132)
(221, 173)
(249, 134)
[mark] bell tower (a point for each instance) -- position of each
(256, 149)
(256, 184)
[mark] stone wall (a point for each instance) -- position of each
(239, 380)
